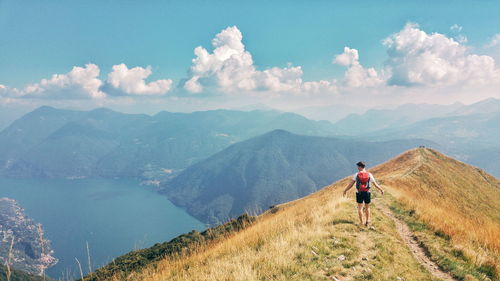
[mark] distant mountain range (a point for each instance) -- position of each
(470, 133)
(270, 169)
(378, 119)
(474, 131)
(406, 114)
(51, 142)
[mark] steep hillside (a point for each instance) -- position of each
(270, 169)
(451, 210)
(455, 199)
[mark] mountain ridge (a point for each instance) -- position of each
(322, 240)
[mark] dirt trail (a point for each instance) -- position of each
(366, 253)
(417, 251)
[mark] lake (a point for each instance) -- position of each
(112, 216)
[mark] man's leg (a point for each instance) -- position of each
(360, 213)
(367, 213)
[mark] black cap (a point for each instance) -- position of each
(360, 164)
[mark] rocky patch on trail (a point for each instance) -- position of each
(22, 244)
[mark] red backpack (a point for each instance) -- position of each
(363, 181)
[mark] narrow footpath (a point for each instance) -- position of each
(417, 251)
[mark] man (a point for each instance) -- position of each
(363, 181)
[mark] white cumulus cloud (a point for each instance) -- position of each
(230, 69)
(79, 83)
(356, 75)
(418, 58)
(348, 57)
(132, 81)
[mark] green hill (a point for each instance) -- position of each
(270, 169)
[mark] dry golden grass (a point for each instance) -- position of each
(302, 239)
(271, 244)
(457, 199)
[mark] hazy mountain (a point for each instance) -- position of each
(469, 132)
(176, 140)
(377, 119)
(438, 199)
(332, 113)
(270, 169)
(31, 129)
(10, 113)
(255, 106)
(466, 137)
(477, 131)
(50, 142)
(490, 105)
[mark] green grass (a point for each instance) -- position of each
(441, 249)
(382, 256)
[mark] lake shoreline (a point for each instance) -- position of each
(112, 216)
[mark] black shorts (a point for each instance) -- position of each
(363, 197)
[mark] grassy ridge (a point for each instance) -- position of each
(300, 240)
(442, 250)
(317, 237)
(452, 198)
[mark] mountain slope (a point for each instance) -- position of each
(31, 129)
(459, 200)
(316, 237)
(50, 142)
(270, 169)
(175, 141)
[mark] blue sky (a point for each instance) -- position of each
(42, 38)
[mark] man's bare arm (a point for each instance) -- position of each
(349, 187)
(378, 186)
